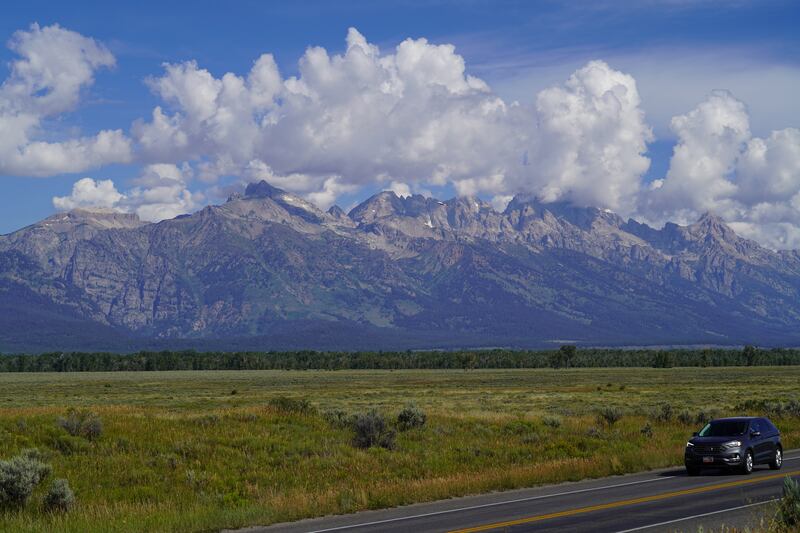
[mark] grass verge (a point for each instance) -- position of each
(180, 451)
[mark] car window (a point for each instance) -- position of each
(724, 428)
(768, 426)
(755, 426)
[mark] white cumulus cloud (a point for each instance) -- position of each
(162, 192)
(54, 65)
(412, 116)
(88, 193)
(591, 141)
(400, 189)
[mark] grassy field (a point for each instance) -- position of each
(190, 451)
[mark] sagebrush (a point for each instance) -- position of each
(19, 477)
(59, 497)
(80, 423)
(411, 417)
(370, 429)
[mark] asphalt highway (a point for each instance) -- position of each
(656, 501)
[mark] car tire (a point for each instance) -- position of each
(747, 463)
(692, 471)
(777, 459)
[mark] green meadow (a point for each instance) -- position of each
(206, 450)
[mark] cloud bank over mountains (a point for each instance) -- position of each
(719, 166)
(407, 120)
(160, 192)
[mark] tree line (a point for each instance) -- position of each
(564, 357)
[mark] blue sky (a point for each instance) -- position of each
(677, 51)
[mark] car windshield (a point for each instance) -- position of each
(724, 428)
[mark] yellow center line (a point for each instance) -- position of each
(623, 503)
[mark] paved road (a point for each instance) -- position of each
(662, 500)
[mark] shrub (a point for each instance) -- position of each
(292, 405)
(93, 427)
(67, 444)
(59, 497)
(788, 517)
(72, 423)
(514, 427)
(411, 417)
(370, 430)
(593, 432)
(19, 476)
(774, 408)
(664, 414)
(771, 408)
(552, 422)
(84, 424)
(686, 418)
(609, 415)
(207, 420)
(704, 416)
(338, 418)
(531, 438)
(792, 408)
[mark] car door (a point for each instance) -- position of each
(759, 441)
(770, 434)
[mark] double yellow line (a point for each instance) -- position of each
(624, 503)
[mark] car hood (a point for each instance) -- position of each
(714, 440)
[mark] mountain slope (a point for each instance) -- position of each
(268, 270)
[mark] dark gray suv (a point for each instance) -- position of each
(738, 443)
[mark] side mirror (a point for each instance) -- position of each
(695, 434)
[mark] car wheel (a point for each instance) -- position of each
(777, 459)
(692, 471)
(747, 463)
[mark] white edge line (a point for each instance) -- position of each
(641, 528)
(493, 504)
(504, 502)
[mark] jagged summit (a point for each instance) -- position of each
(268, 202)
(336, 212)
(714, 225)
(583, 217)
(528, 218)
(710, 218)
(382, 204)
(262, 189)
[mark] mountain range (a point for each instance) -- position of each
(268, 270)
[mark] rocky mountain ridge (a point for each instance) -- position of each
(269, 270)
